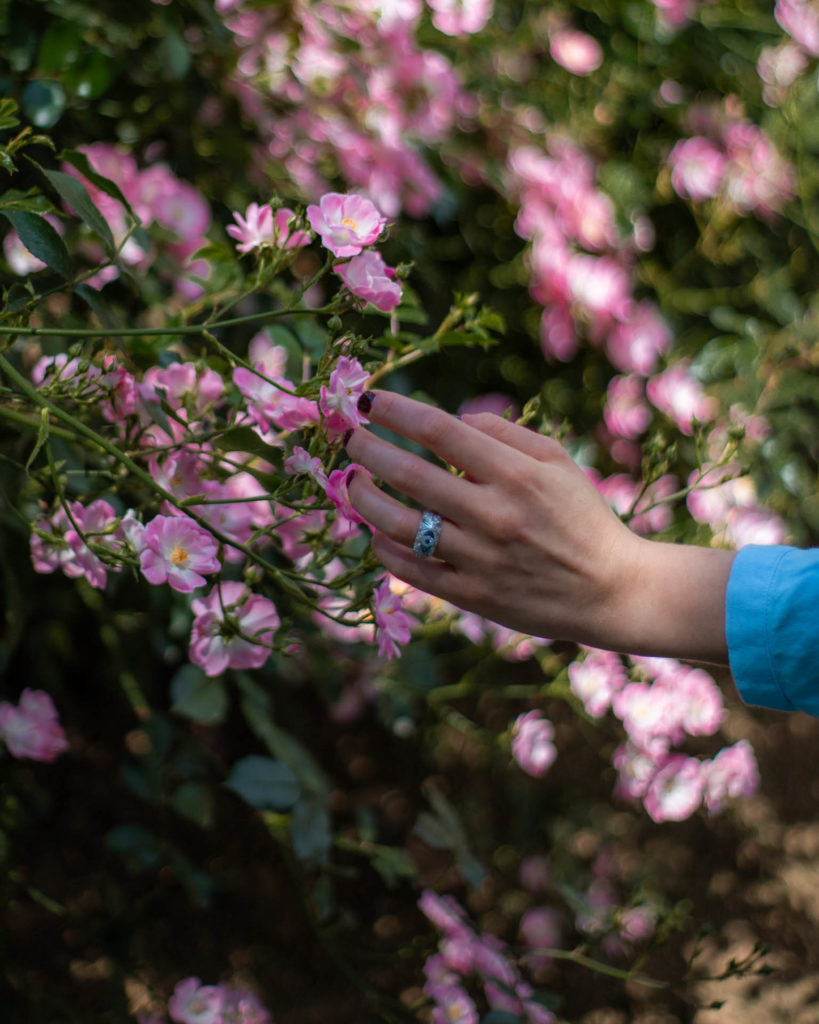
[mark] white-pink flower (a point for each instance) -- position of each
(394, 625)
(697, 168)
(339, 399)
(31, 729)
(532, 745)
(577, 52)
(346, 223)
(634, 344)
(732, 773)
(177, 552)
(596, 679)
(232, 628)
(626, 412)
(338, 490)
(369, 278)
(460, 17)
(261, 227)
(195, 1003)
(676, 790)
(680, 395)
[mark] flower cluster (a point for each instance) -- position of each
(195, 1003)
(463, 953)
(731, 158)
(350, 82)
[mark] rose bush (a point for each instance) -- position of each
(222, 224)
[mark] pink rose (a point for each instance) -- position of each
(31, 729)
(369, 278)
(346, 223)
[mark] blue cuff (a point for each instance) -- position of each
(772, 627)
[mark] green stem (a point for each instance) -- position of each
(151, 332)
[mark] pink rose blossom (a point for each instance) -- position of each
(596, 679)
(195, 1003)
(636, 768)
(558, 339)
(779, 67)
(634, 344)
(453, 1006)
(261, 227)
(177, 552)
(394, 625)
(626, 412)
(339, 399)
(754, 526)
(680, 395)
(540, 929)
(732, 773)
(600, 287)
(676, 790)
(302, 462)
(460, 17)
(337, 491)
(532, 745)
(369, 278)
(697, 169)
(232, 628)
(31, 729)
(800, 19)
(271, 403)
(577, 52)
(701, 699)
(444, 912)
(346, 223)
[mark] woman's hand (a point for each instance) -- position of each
(527, 541)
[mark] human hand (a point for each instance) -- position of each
(527, 541)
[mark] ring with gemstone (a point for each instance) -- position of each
(426, 539)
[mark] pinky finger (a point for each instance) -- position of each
(432, 577)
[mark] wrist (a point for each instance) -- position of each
(671, 601)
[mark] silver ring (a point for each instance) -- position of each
(426, 540)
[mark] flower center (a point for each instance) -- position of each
(179, 555)
(348, 222)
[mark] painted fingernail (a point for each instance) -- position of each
(346, 438)
(365, 402)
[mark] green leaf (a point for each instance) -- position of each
(263, 783)
(138, 847)
(8, 114)
(81, 162)
(31, 200)
(93, 298)
(281, 744)
(310, 831)
(59, 47)
(90, 76)
(194, 801)
(72, 191)
(198, 697)
(41, 240)
(245, 439)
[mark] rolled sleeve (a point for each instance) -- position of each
(772, 627)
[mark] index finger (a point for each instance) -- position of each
(462, 446)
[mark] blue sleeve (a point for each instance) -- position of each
(772, 627)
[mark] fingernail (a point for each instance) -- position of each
(365, 402)
(346, 438)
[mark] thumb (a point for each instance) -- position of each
(522, 439)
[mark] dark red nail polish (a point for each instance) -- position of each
(346, 437)
(365, 402)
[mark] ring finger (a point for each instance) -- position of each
(390, 517)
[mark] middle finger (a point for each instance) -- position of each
(430, 486)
